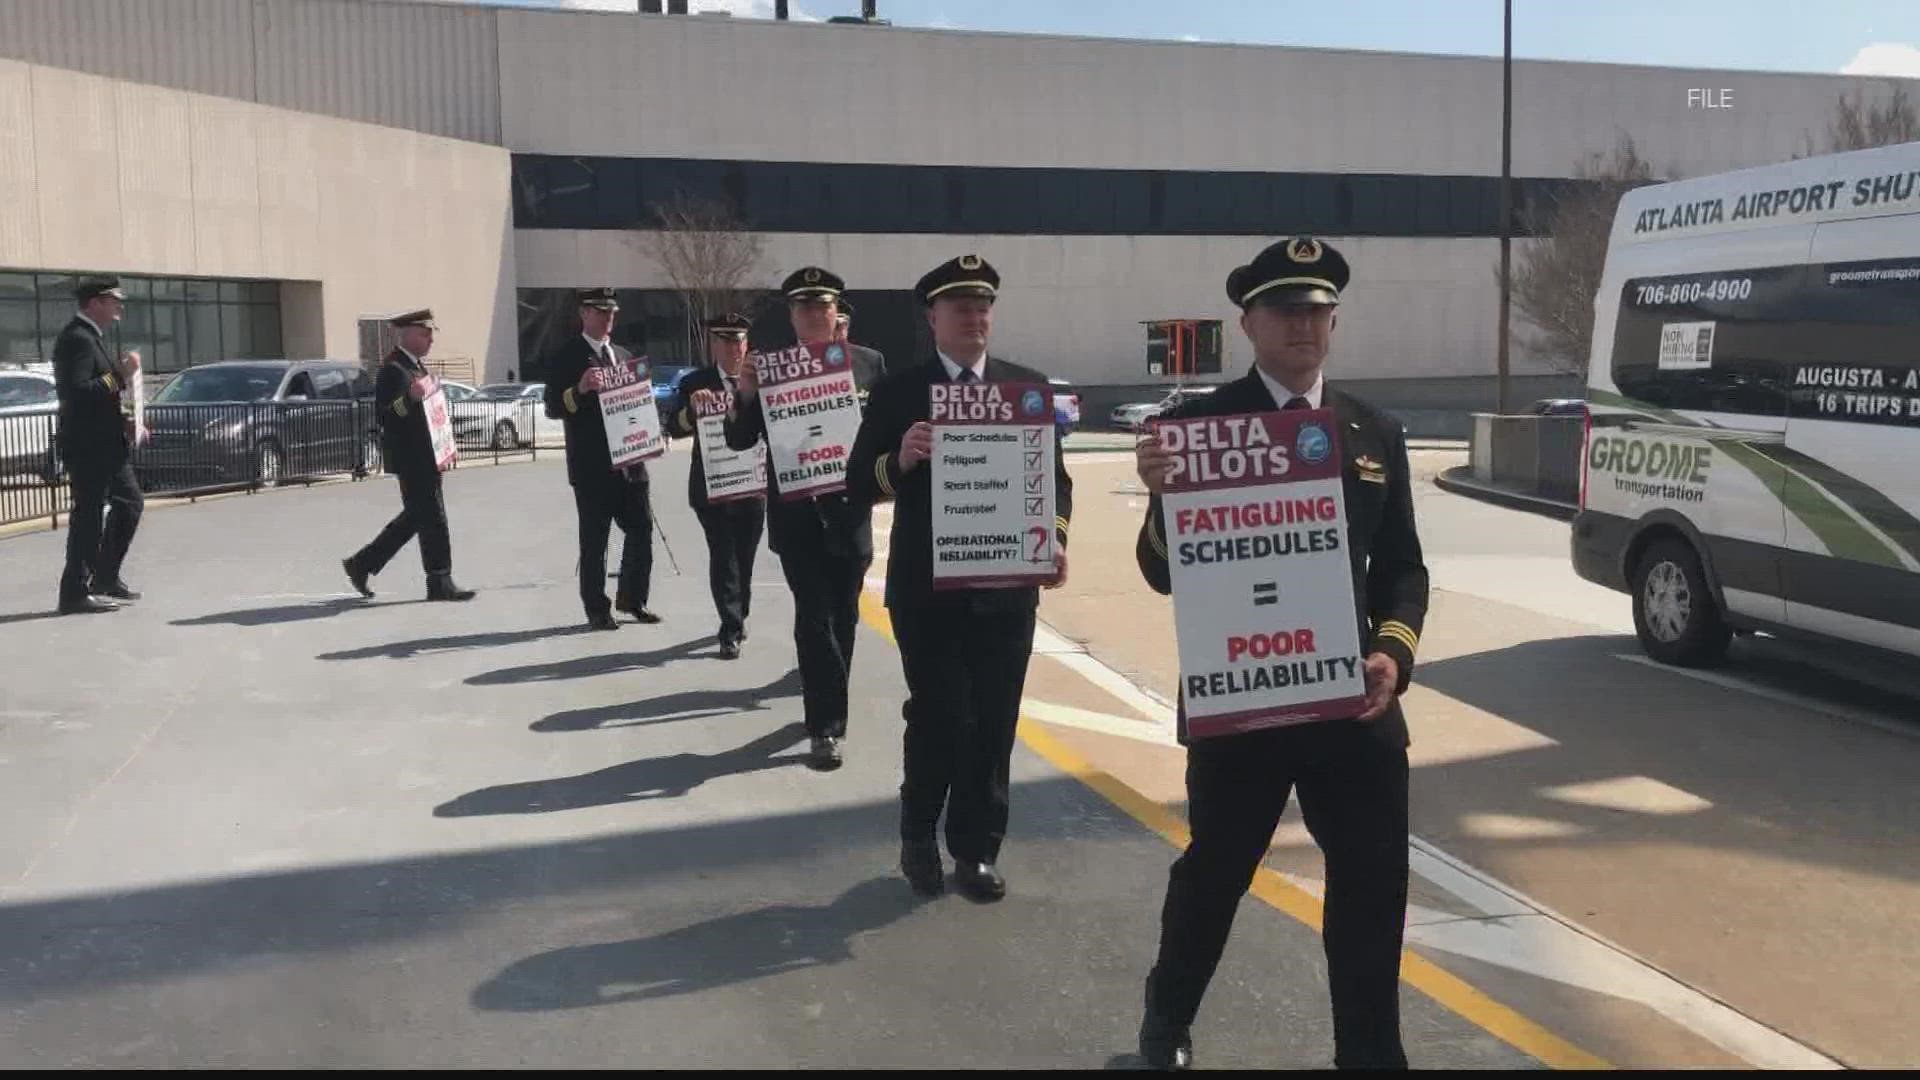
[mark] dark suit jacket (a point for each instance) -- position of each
(1389, 572)
(900, 401)
(92, 426)
(826, 524)
(684, 424)
(588, 458)
(405, 442)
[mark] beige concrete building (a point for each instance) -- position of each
(374, 154)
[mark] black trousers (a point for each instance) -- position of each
(1353, 795)
(423, 513)
(733, 539)
(826, 612)
(100, 526)
(600, 504)
(965, 672)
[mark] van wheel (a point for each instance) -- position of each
(1673, 609)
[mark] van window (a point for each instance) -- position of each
(333, 383)
(1860, 333)
(1714, 342)
(1838, 341)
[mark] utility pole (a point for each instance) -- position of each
(1506, 204)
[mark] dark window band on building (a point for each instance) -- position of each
(552, 192)
(174, 322)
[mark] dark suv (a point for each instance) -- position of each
(258, 421)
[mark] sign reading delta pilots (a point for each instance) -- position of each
(630, 416)
(1263, 600)
(813, 412)
(993, 494)
(731, 474)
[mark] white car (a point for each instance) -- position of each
(29, 407)
(502, 416)
(1134, 415)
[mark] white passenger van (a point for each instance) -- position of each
(1752, 457)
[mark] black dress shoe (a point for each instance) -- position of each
(86, 605)
(826, 753)
(645, 616)
(1164, 1046)
(920, 861)
(441, 587)
(979, 880)
(729, 650)
(602, 620)
(357, 576)
(116, 589)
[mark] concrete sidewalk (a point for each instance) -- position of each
(257, 821)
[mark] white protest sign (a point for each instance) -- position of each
(440, 428)
(731, 474)
(1263, 598)
(630, 416)
(813, 412)
(139, 405)
(993, 489)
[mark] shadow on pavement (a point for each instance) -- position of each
(649, 778)
(584, 667)
(401, 650)
(287, 613)
(29, 616)
(720, 952)
(1774, 778)
(684, 705)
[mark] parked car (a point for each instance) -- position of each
(1134, 415)
(666, 386)
(242, 421)
(1066, 407)
(1558, 407)
(29, 409)
(512, 412)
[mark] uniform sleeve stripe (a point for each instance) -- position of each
(880, 474)
(110, 381)
(567, 397)
(1060, 523)
(1153, 538)
(1397, 625)
(1399, 630)
(400, 406)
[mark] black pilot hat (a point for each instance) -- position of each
(423, 317)
(1297, 270)
(968, 275)
(99, 286)
(604, 299)
(813, 283)
(732, 324)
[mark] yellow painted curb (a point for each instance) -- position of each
(1449, 990)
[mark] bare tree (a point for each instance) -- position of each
(1860, 125)
(1557, 274)
(706, 251)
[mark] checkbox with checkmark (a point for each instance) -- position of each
(1034, 482)
(1033, 436)
(1033, 459)
(1036, 507)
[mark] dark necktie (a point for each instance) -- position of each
(967, 376)
(1297, 403)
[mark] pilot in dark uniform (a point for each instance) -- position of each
(825, 543)
(964, 651)
(733, 527)
(406, 447)
(1351, 774)
(94, 391)
(577, 370)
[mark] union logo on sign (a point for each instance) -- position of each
(836, 355)
(1030, 403)
(1313, 445)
